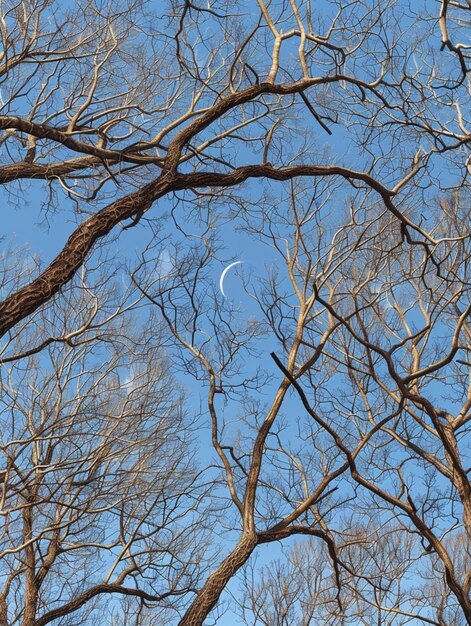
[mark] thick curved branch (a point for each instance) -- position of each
(247, 95)
(42, 131)
(86, 596)
(30, 297)
(277, 535)
(25, 170)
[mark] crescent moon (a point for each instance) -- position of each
(221, 280)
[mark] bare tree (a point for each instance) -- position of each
(372, 337)
(126, 100)
(300, 587)
(96, 456)
(346, 389)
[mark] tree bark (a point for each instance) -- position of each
(214, 586)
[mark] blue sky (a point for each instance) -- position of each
(27, 224)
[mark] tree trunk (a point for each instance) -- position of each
(214, 586)
(31, 588)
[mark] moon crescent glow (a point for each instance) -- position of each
(221, 280)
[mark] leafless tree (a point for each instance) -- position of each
(300, 587)
(346, 390)
(373, 337)
(100, 103)
(95, 455)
